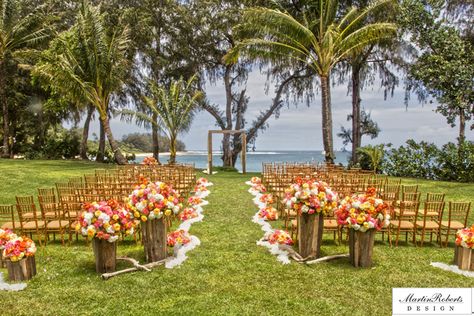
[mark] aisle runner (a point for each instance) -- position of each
(189, 216)
(261, 200)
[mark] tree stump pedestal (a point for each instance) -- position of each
(105, 255)
(22, 270)
(310, 235)
(154, 239)
(464, 258)
(361, 245)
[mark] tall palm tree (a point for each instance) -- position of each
(174, 107)
(317, 35)
(17, 33)
(89, 62)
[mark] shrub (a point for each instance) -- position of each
(456, 163)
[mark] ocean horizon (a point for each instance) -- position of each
(254, 158)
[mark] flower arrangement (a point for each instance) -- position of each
(266, 198)
(5, 236)
(19, 247)
(278, 236)
(269, 213)
(199, 188)
(259, 188)
(149, 161)
(310, 197)
(465, 237)
(202, 181)
(194, 200)
(179, 236)
(255, 180)
(105, 220)
(188, 213)
(362, 212)
(153, 200)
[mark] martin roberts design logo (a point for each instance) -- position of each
(432, 301)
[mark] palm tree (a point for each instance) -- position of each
(374, 153)
(316, 35)
(174, 107)
(17, 33)
(89, 62)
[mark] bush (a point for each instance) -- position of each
(456, 163)
(417, 160)
(59, 143)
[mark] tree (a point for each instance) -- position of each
(367, 127)
(375, 155)
(92, 64)
(174, 106)
(317, 37)
(17, 34)
(444, 68)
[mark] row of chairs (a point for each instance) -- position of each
(403, 200)
(60, 206)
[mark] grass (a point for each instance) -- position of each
(228, 274)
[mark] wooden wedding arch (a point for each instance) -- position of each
(230, 132)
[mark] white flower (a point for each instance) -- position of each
(110, 230)
(84, 231)
(356, 226)
(356, 204)
(113, 238)
(176, 209)
(160, 215)
(140, 206)
(371, 225)
(170, 205)
(159, 197)
(297, 195)
(380, 217)
(288, 203)
(363, 229)
(304, 209)
(377, 202)
(104, 217)
(294, 199)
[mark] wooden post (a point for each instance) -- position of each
(154, 239)
(361, 245)
(464, 258)
(21, 270)
(209, 152)
(244, 153)
(3, 264)
(105, 254)
(310, 235)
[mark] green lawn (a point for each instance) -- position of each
(228, 273)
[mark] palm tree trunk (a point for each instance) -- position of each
(327, 119)
(155, 139)
(119, 158)
(462, 126)
(100, 157)
(356, 132)
(4, 104)
(85, 132)
(227, 153)
(172, 159)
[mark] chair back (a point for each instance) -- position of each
(435, 197)
(410, 188)
(459, 212)
(433, 210)
(7, 215)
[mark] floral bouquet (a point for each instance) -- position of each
(203, 182)
(268, 213)
(19, 247)
(258, 188)
(281, 237)
(255, 180)
(105, 220)
(363, 212)
(195, 200)
(149, 161)
(465, 237)
(153, 200)
(199, 188)
(179, 236)
(310, 197)
(266, 198)
(188, 213)
(5, 236)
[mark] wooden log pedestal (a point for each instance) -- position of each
(310, 235)
(21, 270)
(105, 255)
(361, 245)
(154, 239)
(464, 258)
(3, 263)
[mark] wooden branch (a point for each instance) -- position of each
(145, 267)
(292, 253)
(135, 263)
(327, 258)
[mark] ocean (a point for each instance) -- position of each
(254, 159)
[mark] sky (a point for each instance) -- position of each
(299, 127)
